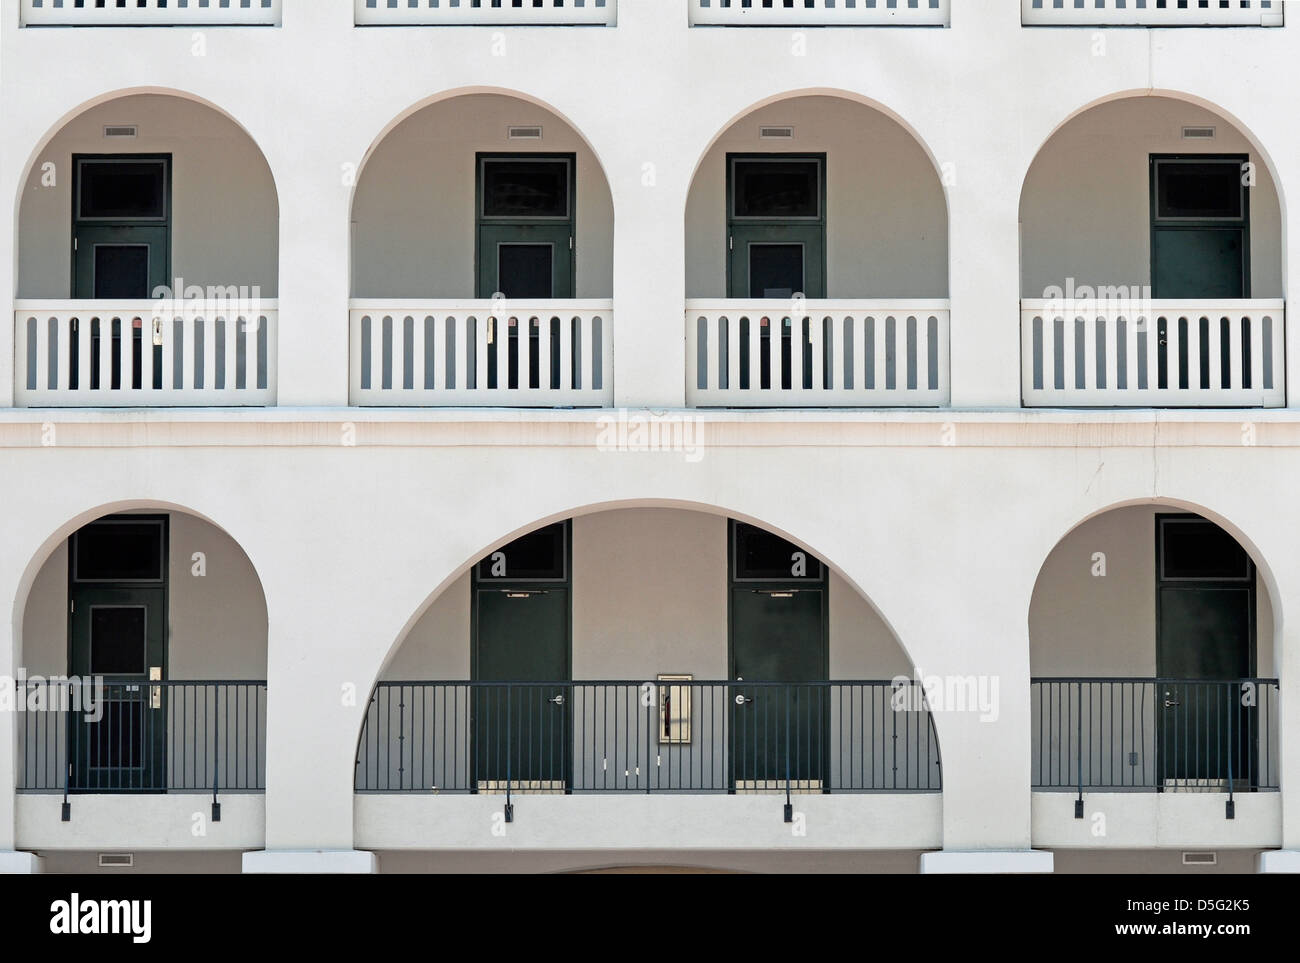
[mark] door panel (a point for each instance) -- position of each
(120, 263)
(1198, 263)
(525, 262)
(778, 733)
(522, 730)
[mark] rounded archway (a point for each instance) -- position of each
(174, 173)
(1152, 647)
(153, 621)
(1109, 181)
(648, 649)
(847, 181)
(470, 172)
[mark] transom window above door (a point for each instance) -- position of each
(515, 188)
(121, 189)
(769, 188)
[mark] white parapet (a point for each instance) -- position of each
(817, 353)
(1163, 354)
(988, 862)
(555, 354)
(342, 862)
(1280, 861)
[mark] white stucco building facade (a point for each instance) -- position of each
(976, 311)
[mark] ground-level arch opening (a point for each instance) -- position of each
(143, 642)
(1152, 649)
(648, 650)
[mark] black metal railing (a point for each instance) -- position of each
(131, 736)
(664, 736)
(1155, 735)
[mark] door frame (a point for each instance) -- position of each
(481, 158)
(1193, 223)
(162, 585)
(821, 221)
(1251, 585)
(525, 585)
(163, 223)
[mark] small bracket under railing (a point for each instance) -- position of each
(510, 812)
(1078, 808)
(1231, 809)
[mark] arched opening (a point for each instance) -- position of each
(1151, 261)
(148, 252)
(1152, 649)
(648, 650)
(482, 268)
(143, 639)
(817, 261)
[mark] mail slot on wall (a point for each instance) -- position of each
(675, 709)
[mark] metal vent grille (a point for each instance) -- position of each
(525, 133)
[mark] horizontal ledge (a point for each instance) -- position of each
(1139, 305)
(478, 304)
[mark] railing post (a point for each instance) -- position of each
(1230, 811)
(66, 814)
(1078, 755)
(789, 804)
(216, 768)
(510, 806)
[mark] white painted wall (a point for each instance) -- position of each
(413, 219)
(886, 217)
(225, 212)
(1085, 212)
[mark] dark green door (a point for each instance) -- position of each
(121, 226)
(1200, 227)
(522, 729)
(778, 651)
(526, 225)
(1204, 648)
(776, 249)
(118, 635)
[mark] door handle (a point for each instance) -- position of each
(743, 700)
(155, 692)
(1169, 701)
(558, 700)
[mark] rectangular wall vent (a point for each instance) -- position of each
(526, 133)
(1200, 859)
(117, 860)
(121, 130)
(776, 133)
(1198, 133)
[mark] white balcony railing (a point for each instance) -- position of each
(397, 13)
(150, 13)
(1151, 13)
(469, 354)
(1162, 354)
(78, 354)
(819, 13)
(854, 354)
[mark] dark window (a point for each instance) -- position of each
(119, 552)
(775, 270)
(122, 271)
(117, 640)
(526, 188)
(1201, 550)
(1198, 190)
(776, 189)
(525, 270)
(539, 555)
(122, 190)
(761, 555)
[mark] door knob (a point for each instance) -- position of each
(558, 700)
(1169, 701)
(742, 701)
